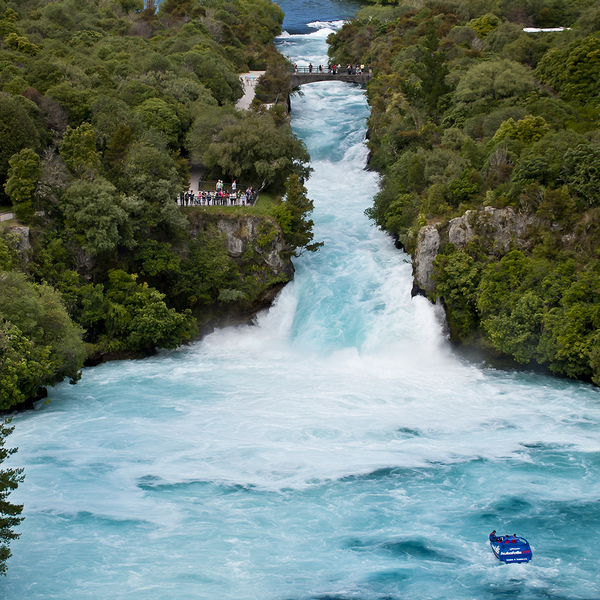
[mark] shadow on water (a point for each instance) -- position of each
(563, 513)
(511, 506)
(338, 597)
(152, 483)
(414, 549)
(408, 432)
(331, 597)
(384, 473)
(518, 591)
(387, 577)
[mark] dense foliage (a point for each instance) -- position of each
(470, 111)
(103, 103)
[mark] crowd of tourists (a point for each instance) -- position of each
(219, 197)
(334, 68)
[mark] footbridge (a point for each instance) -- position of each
(302, 78)
(303, 75)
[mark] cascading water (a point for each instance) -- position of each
(337, 449)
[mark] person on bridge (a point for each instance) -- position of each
(295, 69)
(310, 68)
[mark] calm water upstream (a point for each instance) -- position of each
(335, 450)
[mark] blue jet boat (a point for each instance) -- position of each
(511, 549)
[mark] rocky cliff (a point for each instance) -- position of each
(497, 230)
(248, 236)
(256, 244)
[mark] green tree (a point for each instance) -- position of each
(457, 276)
(484, 25)
(9, 482)
(500, 281)
(73, 100)
(95, 211)
(528, 130)
(216, 74)
(78, 150)
(582, 167)
(21, 44)
(492, 81)
(17, 131)
(23, 367)
(208, 126)
(40, 316)
(152, 183)
(158, 115)
(23, 176)
(431, 70)
(552, 148)
(207, 272)
(254, 149)
(401, 214)
(570, 338)
(292, 216)
(516, 330)
(574, 71)
(137, 318)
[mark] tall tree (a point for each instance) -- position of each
(292, 216)
(23, 176)
(9, 513)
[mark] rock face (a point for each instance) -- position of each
(428, 245)
(244, 233)
(23, 245)
(497, 226)
(18, 239)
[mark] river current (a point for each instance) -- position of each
(337, 449)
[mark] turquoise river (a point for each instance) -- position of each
(335, 450)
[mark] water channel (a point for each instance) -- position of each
(337, 449)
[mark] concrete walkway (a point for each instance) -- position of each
(249, 81)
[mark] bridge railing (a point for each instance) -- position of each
(325, 69)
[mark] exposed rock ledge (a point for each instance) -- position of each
(243, 233)
(497, 228)
(428, 245)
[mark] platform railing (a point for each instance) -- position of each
(211, 186)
